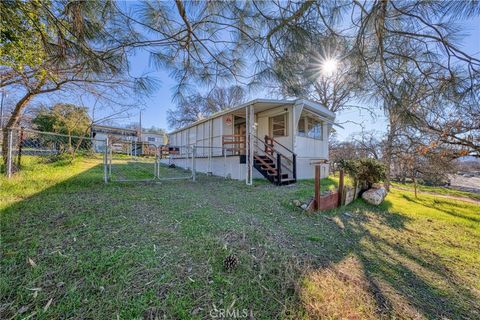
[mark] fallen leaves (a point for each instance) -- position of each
(31, 262)
(47, 305)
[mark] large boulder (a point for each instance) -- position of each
(375, 196)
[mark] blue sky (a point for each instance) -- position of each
(155, 112)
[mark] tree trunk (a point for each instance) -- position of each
(69, 146)
(388, 152)
(415, 185)
(15, 117)
(13, 121)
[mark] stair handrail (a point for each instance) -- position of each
(275, 159)
(292, 161)
(265, 144)
(277, 142)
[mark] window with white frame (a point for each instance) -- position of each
(151, 139)
(278, 125)
(310, 127)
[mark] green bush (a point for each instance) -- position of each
(364, 170)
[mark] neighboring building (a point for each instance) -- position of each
(114, 134)
(101, 132)
(288, 134)
(118, 136)
(153, 138)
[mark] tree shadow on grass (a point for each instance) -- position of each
(403, 280)
(438, 205)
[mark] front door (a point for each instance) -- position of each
(241, 131)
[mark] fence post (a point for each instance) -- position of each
(160, 157)
(9, 152)
(110, 153)
(105, 162)
(317, 187)
(341, 185)
(224, 162)
(194, 177)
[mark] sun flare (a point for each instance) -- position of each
(329, 66)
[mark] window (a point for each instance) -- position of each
(151, 139)
(301, 127)
(310, 127)
(278, 125)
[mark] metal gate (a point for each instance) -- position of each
(176, 162)
(142, 161)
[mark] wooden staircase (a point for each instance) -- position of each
(274, 161)
(269, 169)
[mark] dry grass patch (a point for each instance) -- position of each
(339, 291)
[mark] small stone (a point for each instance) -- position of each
(304, 206)
(297, 203)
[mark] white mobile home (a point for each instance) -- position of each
(280, 140)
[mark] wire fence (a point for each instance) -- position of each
(122, 160)
(25, 148)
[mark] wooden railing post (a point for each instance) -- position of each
(341, 185)
(279, 168)
(294, 158)
(317, 187)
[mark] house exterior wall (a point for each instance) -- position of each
(306, 169)
(219, 166)
(207, 136)
(310, 150)
(263, 124)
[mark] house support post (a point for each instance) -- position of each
(249, 144)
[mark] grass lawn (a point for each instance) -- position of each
(73, 247)
(438, 190)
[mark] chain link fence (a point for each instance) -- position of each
(141, 161)
(26, 148)
(122, 160)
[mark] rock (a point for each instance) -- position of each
(297, 203)
(304, 206)
(374, 196)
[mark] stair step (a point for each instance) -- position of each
(264, 161)
(287, 181)
(267, 168)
